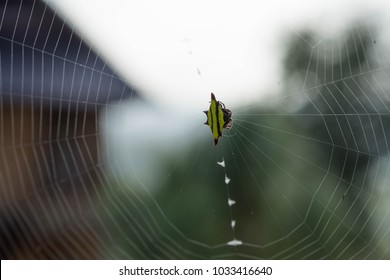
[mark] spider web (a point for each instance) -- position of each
(90, 171)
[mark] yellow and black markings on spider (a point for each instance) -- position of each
(218, 117)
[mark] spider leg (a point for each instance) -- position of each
(229, 124)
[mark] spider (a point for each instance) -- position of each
(218, 117)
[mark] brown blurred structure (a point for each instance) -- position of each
(52, 87)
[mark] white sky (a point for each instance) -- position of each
(158, 46)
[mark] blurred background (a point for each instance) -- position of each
(104, 154)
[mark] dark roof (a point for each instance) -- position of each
(42, 58)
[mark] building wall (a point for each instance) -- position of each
(49, 175)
